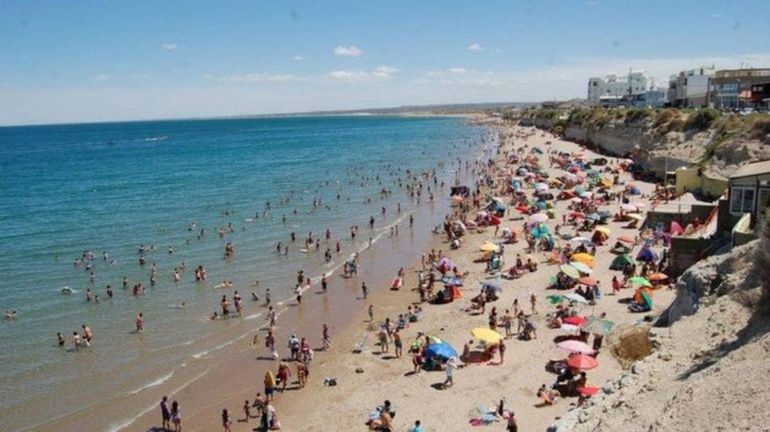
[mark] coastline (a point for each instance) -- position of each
(346, 406)
(231, 374)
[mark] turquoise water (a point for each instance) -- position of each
(109, 188)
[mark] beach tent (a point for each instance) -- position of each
(441, 350)
(620, 262)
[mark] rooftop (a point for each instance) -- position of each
(752, 169)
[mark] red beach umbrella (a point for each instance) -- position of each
(588, 281)
(582, 362)
(588, 391)
(574, 320)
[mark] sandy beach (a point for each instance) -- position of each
(346, 406)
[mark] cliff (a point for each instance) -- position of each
(663, 139)
(707, 370)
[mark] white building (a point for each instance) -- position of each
(690, 88)
(611, 89)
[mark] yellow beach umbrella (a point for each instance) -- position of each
(489, 247)
(584, 258)
(635, 216)
(486, 335)
(604, 230)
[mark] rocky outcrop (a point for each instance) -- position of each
(708, 370)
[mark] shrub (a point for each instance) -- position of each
(701, 119)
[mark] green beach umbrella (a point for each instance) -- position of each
(640, 281)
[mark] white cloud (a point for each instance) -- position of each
(715, 15)
(357, 75)
(298, 58)
(140, 76)
(476, 48)
(102, 77)
(169, 46)
(261, 77)
(350, 51)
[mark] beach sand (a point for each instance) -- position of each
(346, 406)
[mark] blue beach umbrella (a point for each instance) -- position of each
(452, 281)
(441, 350)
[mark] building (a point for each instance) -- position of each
(749, 190)
(690, 88)
(611, 89)
(740, 88)
(652, 98)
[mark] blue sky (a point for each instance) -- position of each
(72, 61)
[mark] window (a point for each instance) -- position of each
(741, 200)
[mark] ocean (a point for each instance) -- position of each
(110, 188)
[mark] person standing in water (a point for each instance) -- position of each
(139, 322)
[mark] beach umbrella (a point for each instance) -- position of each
(588, 391)
(598, 326)
(581, 267)
(538, 217)
(570, 327)
(489, 247)
(675, 228)
(577, 298)
(441, 350)
(585, 258)
(626, 239)
(582, 362)
(580, 240)
(575, 346)
(555, 299)
(446, 262)
(495, 285)
(588, 281)
(486, 335)
(604, 230)
(640, 281)
(647, 255)
(574, 320)
(628, 207)
(655, 277)
(620, 262)
(636, 216)
(569, 271)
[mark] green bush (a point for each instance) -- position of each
(701, 119)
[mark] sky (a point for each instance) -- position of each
(113, 60)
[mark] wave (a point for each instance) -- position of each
(157, 138)
(115, 427)
(155, 383)
(200, 355)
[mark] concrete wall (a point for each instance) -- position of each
(685, 252)
(742, 232)
(688, 180)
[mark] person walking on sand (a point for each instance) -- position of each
(364, 289)
(226, 422)
(371, 313)
(327, 342)
(449, 368)
(501, 349)
(165, 413)
(533, 303)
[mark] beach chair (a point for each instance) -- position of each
(360, 345)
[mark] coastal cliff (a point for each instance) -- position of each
(706, 370)
(662, 139)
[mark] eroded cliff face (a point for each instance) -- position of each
(708, 367)
(661, 146)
